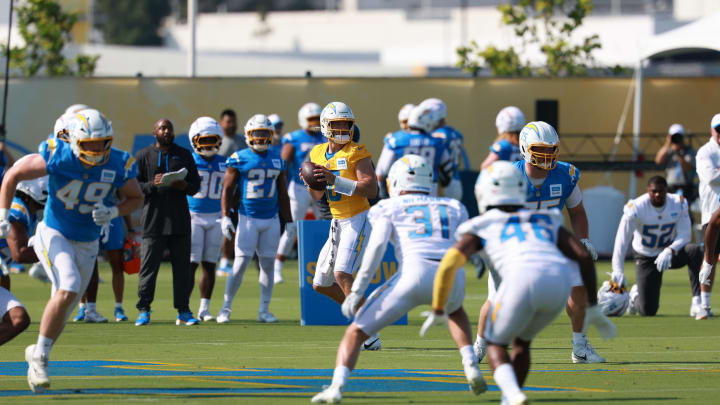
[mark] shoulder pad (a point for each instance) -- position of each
(439, 135)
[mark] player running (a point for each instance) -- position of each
(530, 251)
(205, 234)
(295, 149)
(659, 224)
(418, 141)
(83, 174)
(259, 172)
(421, 227)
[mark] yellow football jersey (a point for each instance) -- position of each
(342, 163)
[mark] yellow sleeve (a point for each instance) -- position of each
(314, 154)
(359, 153)
(451, 262)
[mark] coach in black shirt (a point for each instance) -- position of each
(165, 220)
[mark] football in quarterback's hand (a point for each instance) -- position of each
(307, 171)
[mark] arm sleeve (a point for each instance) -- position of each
(451, 262)
(706, 170)
(575, 197)
(683, 236)
(193, 177)
(387, 158)
(622, 238)
(374, 252)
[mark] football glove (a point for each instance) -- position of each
(228, 230)
(663, 260)
(590, 248)
(705, 270)
(618, 277)
(105, 233)
(350, 304)
(595, 317)
(102, 215)
(4, 223)
(432, 320)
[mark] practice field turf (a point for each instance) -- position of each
(667, 359)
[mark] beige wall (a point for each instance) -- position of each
(585, 105)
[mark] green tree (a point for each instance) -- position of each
(544, 25)
(45, 29)
(131, 22)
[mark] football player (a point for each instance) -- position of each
(417, 140)
(659, 225)
(206, 237)
(453, 142)
(295, 149)
(83, 175)
(553, 184)
(396, 220)
(278, 124)
(403, 116)
(530, 250)
(509, 122)
(260, 173)
(347, 168)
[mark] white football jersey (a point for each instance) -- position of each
(422, 225)
(512, 238)
(653, 229)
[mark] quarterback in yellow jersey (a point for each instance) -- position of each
(348, 170)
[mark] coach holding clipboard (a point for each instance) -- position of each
(167, 174)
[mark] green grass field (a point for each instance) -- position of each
(667, 359)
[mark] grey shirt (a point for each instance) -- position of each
(230, 145)
(673, 170)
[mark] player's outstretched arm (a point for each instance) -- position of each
(229, 181)
(367, 183)
(28, 167)
(17, 241)
(573, 249)
(132, 197)
(622, 239)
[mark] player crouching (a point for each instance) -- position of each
(535, 258)
(410, 182)
(259, 173)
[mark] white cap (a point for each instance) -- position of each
(715, 121)
(676, 129)
(510, 119)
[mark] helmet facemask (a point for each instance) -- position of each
(206, 144)
(340, 130)
(542, 159)
(259, 139)
(94, 151)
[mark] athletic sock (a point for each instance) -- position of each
(340, 375)
(267, 282)
(118, 305)
(578, 338)
(705, 299)
(507, 381)
(234, 280)
(278, 267)
(91, 306)
(696, 300)
(43, 346)
(468, 355)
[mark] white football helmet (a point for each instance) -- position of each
(501, 183)
(438, 108)
(205, 136)
(35, 189)
(60, 129)
(337, 111)
(307, 112)
(510, 119)
(613, 299)
(277, 122)
(90, 126)
(421, 119)
(410, 173)
(76, 108)
(403, 115)
(539, 134)
(258, 132)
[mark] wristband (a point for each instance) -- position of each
(4, 213)
(344, 186)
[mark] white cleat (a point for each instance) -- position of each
(223, 316)
(278, 279)
(586, 354)
(330, 395)
(37, 271)
(475, 379)
(480, 348)
(519, 399)
(37, 377)
(266, 317)
(632, 310)
(694, 309)
(372, 343)
(94, 317)
(205, 316)
(703, 313)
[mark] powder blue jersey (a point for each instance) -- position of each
(556, 188)
(207, 199)
(19, 213)
(431, 147)
(454, 144)
(258, 173)
(302, 141)
(73, 189)
(506, 150)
